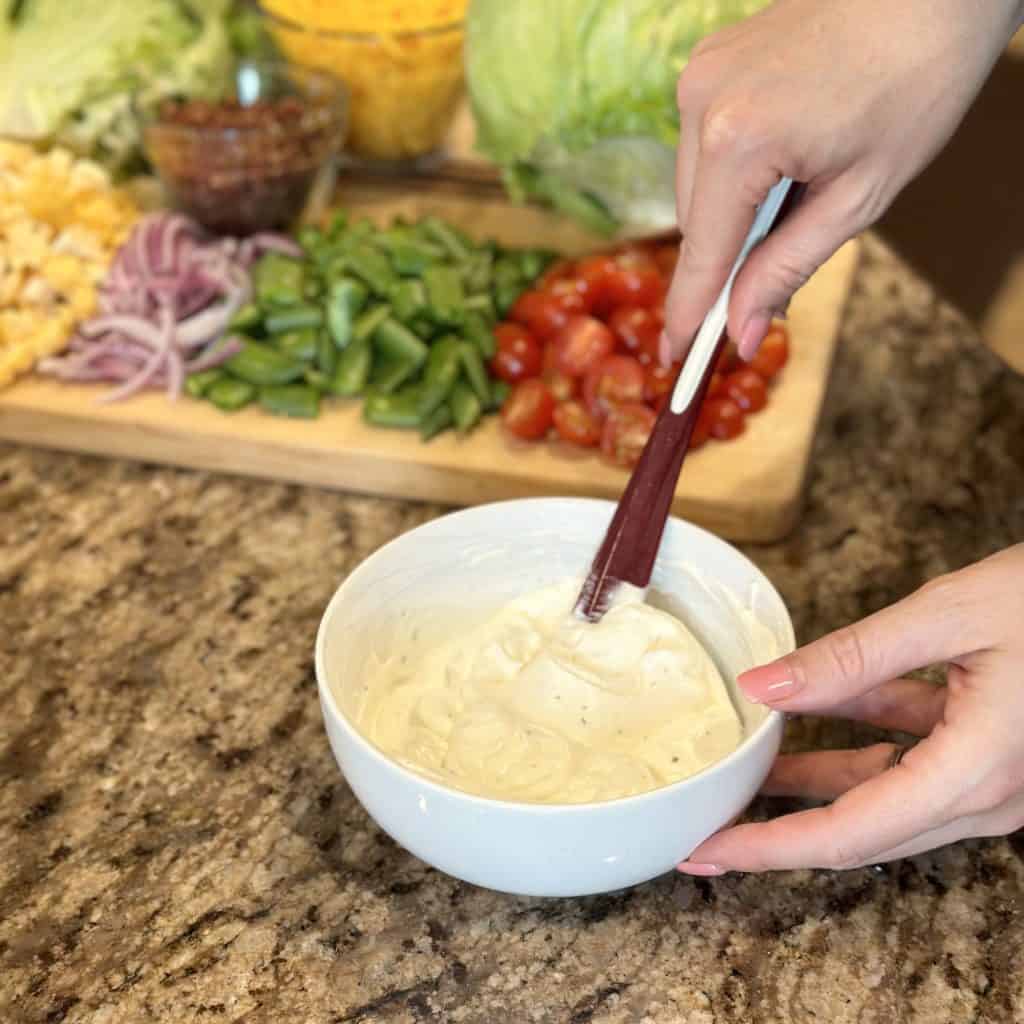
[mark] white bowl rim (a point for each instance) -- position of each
(771, 720)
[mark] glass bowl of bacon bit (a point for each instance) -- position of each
(252, 157)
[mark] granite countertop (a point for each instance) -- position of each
(177, 844)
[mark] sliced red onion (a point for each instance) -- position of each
(137, 253)
(61, 366)
(204, 327)
(210, 324)
(164, 305)
(114, 369)
(134, 327)
(266, 241)
(82, 365)
(176, 228)
(214, 355)
(246, 252)
(195, 301)
(149, 369)
(175, 374)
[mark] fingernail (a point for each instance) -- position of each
(700, 870)
(769, 684)
(753, 333)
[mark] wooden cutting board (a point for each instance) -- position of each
(748, 489)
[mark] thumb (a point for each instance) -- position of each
(931, 625)
(786, 259)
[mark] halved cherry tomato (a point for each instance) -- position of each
(592, 293)
(575, 292)
(716, 385)
(597, 271)
(636, 280)
(639, 330)
(528, 410)
(659, 381)
(571, 294)
(666, 256)
(725, 418)
(747, 389)
(616, 380)
(561, 385)
(582, 343)
(519, 354)
(773, 354)
(543, 313)
(574, 423)
(626, 432)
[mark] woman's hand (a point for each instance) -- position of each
(853, 97)
(966, 778)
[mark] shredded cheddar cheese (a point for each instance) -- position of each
(401, 61)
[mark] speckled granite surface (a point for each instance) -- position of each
(176, 843)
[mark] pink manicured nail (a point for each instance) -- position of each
(753, 334)
(700, 870)
(769, 684)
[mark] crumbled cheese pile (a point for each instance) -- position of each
(61, 221)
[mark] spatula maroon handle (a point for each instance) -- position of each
(630, 546)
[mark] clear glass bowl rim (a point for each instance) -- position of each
(334, 89)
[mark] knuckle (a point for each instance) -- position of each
(729, 128)
(844, 857)
(867, 199)
(943, 590)
(846, 652)
(791, 273)
(951, 600)
(698, 261)
(847, 863)
(842, 854)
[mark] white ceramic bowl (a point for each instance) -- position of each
(471, 562)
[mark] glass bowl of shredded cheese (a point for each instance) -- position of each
(401, 61)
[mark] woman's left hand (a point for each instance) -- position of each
(966, 778)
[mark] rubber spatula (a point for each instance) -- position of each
(630, 546)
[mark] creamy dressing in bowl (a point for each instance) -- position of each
(538, 706)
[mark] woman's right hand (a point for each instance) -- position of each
(853, 97)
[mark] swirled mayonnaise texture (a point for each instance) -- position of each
(536, 705)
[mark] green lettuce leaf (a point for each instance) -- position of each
(576, 99)
(70, 72)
